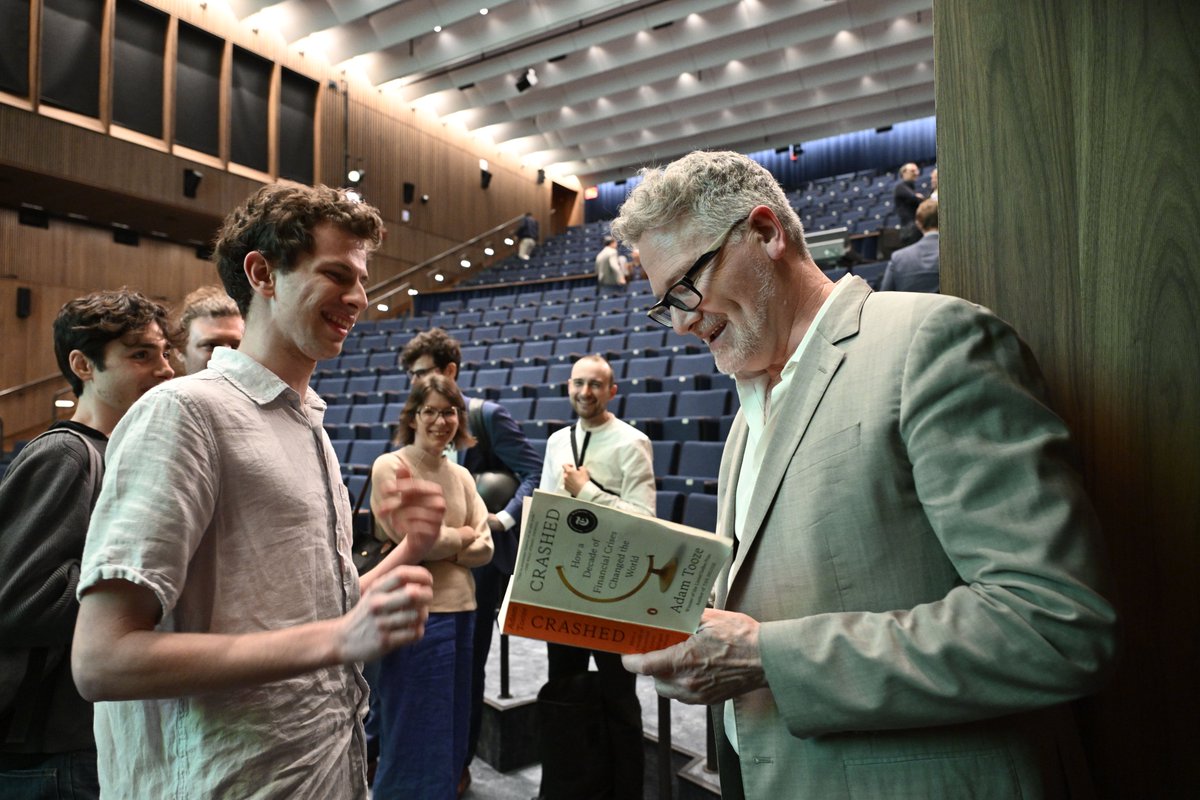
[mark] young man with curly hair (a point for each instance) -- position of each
(220, 610)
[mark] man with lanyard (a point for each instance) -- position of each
(606, 461)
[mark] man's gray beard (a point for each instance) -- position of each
(750, 341)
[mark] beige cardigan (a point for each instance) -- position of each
(448, 560)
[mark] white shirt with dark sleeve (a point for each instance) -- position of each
(619, 459)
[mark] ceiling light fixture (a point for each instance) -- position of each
(527, 80)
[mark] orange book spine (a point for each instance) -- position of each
(581, 630)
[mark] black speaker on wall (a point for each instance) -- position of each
(541, 176)
(485, 178)
(410, 191)
(24, 302)
(191, 182)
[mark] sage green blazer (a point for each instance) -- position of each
(925, 565)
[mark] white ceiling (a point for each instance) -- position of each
(623, 83)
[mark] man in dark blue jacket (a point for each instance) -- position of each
(501, 447)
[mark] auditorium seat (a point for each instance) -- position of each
(645, 374)
(666, 455)
(554, 408)
(354, 487)
(519, 408)
(668, 505)
(697, 415)
(361, 383)
(700, 511)
(367, 414)
(699, 463)
(541, 428)
(690, 372)
(363, 453)
(539, 349)
(473, 354)
(523, 382)
(499, 354)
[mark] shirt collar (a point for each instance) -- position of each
(752, 392)
(256, 381)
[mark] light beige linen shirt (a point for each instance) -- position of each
(223, 496)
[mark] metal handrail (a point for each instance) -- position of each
(373, 298)
(23, 387)
(29, 385)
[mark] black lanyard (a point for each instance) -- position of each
(575, 451)
(579, 454)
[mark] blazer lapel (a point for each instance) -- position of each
(790, 420)
(731, 467)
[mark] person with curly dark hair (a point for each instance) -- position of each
(220, 610)
(112, 347)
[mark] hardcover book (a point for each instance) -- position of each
(592, 576)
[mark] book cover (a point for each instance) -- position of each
(592, 576)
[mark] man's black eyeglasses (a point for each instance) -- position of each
(683, 293)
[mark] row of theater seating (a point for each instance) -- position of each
(636, 371)
(687, 466)
(698, 509)
(675, 416)
(859, 201)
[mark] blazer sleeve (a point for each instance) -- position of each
(992, 470)
(511, 447)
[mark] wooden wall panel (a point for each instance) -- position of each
(60, 263)
(1070, 204)
(69, 167)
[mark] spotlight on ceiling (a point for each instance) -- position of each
(488, 251)
(527, 80)
(355, 176)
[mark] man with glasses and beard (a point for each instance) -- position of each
(916, 583)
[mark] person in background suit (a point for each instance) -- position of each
(112, 348)
(500, 445)
(916, 588)
(915, 268)
(905, 199)
(527, 235)
(609, 270)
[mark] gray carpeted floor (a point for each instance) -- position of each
(527, 665)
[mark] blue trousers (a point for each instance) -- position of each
(425, 712)
(53, 776)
